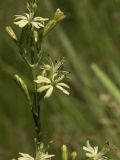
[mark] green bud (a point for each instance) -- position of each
(64, 152)
(74, 155)
(11, 33)
(23, 87)
(32, 5)
(35, 34)
(59, 15)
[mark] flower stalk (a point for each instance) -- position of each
(33, 30)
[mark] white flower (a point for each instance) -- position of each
(43, 156)
(39, 156)
(52, 77)
(25, 156)
(54, 67)
(50, 83)
(28, 19)
(41, 153)
(92, 152)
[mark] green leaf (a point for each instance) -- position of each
(107, 82)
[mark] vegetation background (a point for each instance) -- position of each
(90, 40)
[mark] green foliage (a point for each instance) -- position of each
(110, 86)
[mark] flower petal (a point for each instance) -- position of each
(96, 149)
(86, 149)
(41, 79)
(63, 85)
(21, 23)
(91, 149)
(20, 18)
(27, 15)
(40, 19)
(25, 157)
(43, 88)
(49, 92)
(89, 155)
(37, 24)
(34, 24)
(62, 89)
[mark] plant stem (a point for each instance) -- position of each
(36, 108)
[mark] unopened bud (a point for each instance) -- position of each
(59, 15)
(64, 152)
(35, 33)
(74, 155)
(11, 33)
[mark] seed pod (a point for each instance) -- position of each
(23, 87)
(11, 33)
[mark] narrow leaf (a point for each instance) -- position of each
(107, 82)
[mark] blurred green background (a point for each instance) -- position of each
(90, 40)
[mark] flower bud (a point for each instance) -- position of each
(59, 15)
(11, 33)
(64, 152)
(74, 155)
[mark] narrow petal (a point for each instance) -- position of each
(96, 149)
(25, 157)
(46, 156)
(63, 85)
(49, 92)
(21, 23)
(27, 15)
(40, 19)
(37, 24)
(20, 18)
(89, 155)
(86, 149)
(90, 148)
(41, 79)
(62, 89)
(43, 88)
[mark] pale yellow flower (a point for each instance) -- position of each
(52, 77)
(29, 19)
(25, 156)
(93, 153)
(49, 84)
(40, 156)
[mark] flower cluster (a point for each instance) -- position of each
(93, 153)
(52, 77)
(29, 19)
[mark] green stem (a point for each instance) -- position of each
(36, 108)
